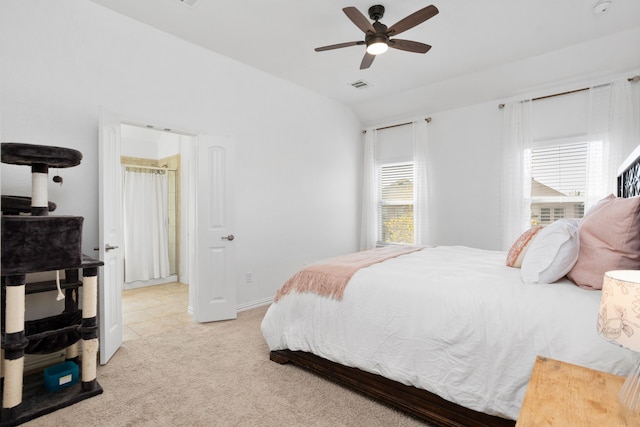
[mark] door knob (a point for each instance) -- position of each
(230, 237)
(108, 247)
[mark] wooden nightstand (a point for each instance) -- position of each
(564, 395)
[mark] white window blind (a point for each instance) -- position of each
(561, 167)
(559, 181)
(395, 203)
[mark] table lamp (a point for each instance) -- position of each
(619, 322)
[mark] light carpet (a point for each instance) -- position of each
(216, 374)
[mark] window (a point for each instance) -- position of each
(394, 164)
(545, 215)
(395, 203)
(559, 181)
(560, 156)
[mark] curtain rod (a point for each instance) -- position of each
(630, 79)
(127, 165)
(427, 119)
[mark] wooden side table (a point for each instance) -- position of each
(565, 395)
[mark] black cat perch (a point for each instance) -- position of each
(34, 241)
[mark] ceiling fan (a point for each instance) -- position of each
(378, 36)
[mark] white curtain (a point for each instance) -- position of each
(624, 123)
(612, 136)
(516, 171)
(420, 188)
(369, 225)
(146, 250)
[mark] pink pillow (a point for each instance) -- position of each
(609, 240)
(520, 246)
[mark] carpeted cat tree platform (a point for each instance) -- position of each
(34, 241)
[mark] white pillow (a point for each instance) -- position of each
(553, 252)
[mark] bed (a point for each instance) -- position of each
(450, 334)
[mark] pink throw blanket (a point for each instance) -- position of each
(329, 278)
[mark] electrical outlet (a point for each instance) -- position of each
(248, 277)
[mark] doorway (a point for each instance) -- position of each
(207, 248)
(155, 289)
(150, 161)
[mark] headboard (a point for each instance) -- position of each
(629, 176)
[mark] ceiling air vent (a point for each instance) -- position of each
(190, 3)
(360, 84)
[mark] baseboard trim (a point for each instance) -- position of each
(37, 362)
(127, 286)
(254, 304)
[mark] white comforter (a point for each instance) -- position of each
(452, 320)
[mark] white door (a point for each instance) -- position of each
(215, 242)
(110, 252)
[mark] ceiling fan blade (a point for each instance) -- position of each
(338, 46)
(409, 45)
(359, 19)
(367, 61)
(412, 20)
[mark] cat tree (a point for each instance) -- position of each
(34, 241)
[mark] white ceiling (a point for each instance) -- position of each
(468, 37)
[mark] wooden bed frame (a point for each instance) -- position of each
(417, 402)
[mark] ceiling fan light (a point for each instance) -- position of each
(377, 47)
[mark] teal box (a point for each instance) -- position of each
(59, 376)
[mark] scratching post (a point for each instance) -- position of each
(33, 241)
(89, 328)
(70, 303)
(39, 190)
(72, 353)
(13, 345)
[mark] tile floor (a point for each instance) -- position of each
(154, 309)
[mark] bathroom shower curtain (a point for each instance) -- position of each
(146, 251)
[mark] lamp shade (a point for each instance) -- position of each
(619, 315)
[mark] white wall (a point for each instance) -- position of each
(464, 177)
(147, 143)
(299, 155)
